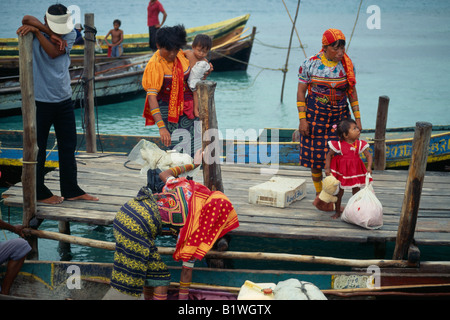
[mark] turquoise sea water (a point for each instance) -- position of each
(406, 59)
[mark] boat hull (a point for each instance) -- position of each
(398, 150)
(133, 44)
(59, 280)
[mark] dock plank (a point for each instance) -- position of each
(115, 181)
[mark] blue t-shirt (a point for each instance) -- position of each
(51, 76)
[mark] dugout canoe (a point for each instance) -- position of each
(134, 44)
(71, 280)
(262, 149)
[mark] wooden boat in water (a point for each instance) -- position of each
(222, 32)
(121, 78)
(59, 280)
(283, 151)
(113, 80)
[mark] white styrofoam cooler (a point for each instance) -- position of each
(278, 192)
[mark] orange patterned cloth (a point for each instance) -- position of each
(176, 103)
(211, 216)
(332, 35)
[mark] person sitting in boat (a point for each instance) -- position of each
(14, 251)
(329, 80)
(169, 102)
(79, 39)
(199, 216)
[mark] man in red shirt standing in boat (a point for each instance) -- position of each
(153, 10)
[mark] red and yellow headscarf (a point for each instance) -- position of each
(332, 35)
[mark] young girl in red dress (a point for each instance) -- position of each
(344, 162)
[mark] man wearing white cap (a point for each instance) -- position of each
(52, 43)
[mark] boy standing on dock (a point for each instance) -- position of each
(52, 43)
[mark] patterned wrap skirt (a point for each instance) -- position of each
(136, 259)
(186, 134)
(321, 117)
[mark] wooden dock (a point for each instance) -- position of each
(115, 181)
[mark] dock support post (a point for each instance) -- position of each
(212, 173)
(379, 145)
(64, 247)
(411, 201)
(30, 149)
(212, 148)
(89, 65)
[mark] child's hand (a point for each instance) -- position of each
(369, 170)
(207, 73)
(327, 171)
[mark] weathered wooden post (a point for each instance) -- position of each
(89, 65)
(379, 145)
(212, 174)
(30, 149)
(411, 201)
(212, 151)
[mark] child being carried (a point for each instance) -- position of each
(200, 66)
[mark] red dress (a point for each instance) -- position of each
(347, 165)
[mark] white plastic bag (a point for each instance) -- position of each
(364, 209)
(150, 156)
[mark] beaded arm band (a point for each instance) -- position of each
(181, 169)
(160, 124)
(301, 109)
(155, 111)
(355, 109)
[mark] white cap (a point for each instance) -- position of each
(61, 24)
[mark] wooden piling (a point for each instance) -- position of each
(411, 200)
(379, 145)
(212, 174)
(89, 65)
(30, 149)
(285, 70)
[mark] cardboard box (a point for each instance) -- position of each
(278, 192)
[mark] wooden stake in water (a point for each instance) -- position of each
(379, 145)
(289, 51)
(89, 65)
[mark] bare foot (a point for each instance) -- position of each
(52, 200)
(85, 196)
(335, 216)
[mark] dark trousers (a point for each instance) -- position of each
(152, 37)
(61, 115)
